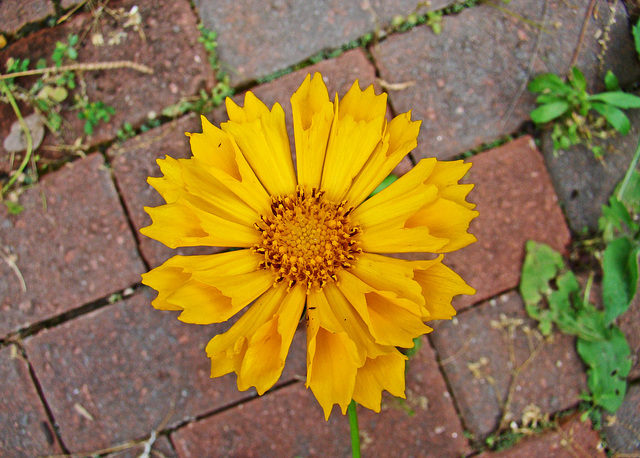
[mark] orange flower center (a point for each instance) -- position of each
(307, 239)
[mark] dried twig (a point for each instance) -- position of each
(92, 66)
(585, 22)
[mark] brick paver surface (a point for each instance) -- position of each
(500, 368)
(89, 365)
(26, 429)
(130, 357)
(573, 438)
(166, 41)
(71, 245)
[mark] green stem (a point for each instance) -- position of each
(355, 432)
(630, 170)
(27, 134)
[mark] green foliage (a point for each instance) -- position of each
(600, 343)
(578, 116)
(13, 208)
(66, 50)
(93, 113)
(209, 38)
(125, 132)
(386, 182)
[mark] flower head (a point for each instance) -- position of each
(313, 244)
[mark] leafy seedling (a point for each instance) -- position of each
(578, 117)
(552, 296)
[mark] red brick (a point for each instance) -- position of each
(131, 366)
(517, 203)
(548, 373)
(71, 244)
(573, 438)
(279, 34)
(290, 422)
(25, 429)
(468, 84)
(170, 48)
(14, 14)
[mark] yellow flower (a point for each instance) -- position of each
(312, 244)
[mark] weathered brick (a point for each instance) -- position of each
(25, 429)
(468, 84)
(289, 422)
(279, 34)
(130, 367)
(621, 429)
(572, 438)
(71, 245)
(499, 367)
(166, 41)
(15, 14)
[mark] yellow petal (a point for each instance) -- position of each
(269, 345)
(398, 190)
(385, 372)
(262, 137)
(332, 371)
(227, 350)
(388, 274)
(312, 117)
(393, 239)
(226, 163)
(439, 285)
(391, 320)
(356, 131)
(186, 223)
(190, 179)
(206, 299)
(349, 321)
(399, 138)
(223, 268)
(446, 220)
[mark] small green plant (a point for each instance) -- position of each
(125, 132)
(92, 113)
(579, 117)
(209, 38)
(546, 279)
(66, 50)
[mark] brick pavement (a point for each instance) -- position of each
(89, 365)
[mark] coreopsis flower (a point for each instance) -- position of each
(313, 245)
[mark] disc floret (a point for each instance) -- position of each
(307, 239)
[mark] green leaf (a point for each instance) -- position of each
(615, 217)
(617, 99)
(609, 364)
(631, 194)
(549, 82)
(549, 111)
(541, 265)
(578, 79)
(620, 276)
(548, 98)
(611, 82)
(386, 182)
(614, 116)
(13, 208)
